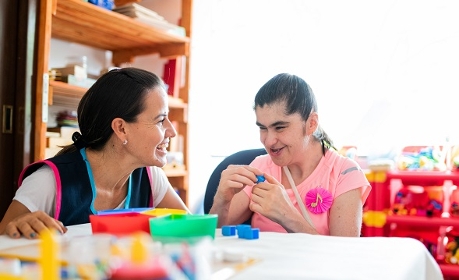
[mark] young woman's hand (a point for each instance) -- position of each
(233, 179)
(271, 200)
(30, 225)
(230, 204)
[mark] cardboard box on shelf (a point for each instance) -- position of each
(74, 70)
(57, 142)
(77, 81)
(65, 132)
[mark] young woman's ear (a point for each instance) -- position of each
(312, 123)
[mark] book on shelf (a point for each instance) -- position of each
(76, 81)
(133, 10)
(75, 70)
(149, 17)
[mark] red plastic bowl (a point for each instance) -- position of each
(120, 224)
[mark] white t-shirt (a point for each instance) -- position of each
(38, 190)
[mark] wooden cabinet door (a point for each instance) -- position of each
(17, 37)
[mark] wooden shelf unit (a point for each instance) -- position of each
(90, 25)
(87, 24)
(67, 95)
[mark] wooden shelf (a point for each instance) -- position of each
(88, 24)
(67, 95)
(66, 90)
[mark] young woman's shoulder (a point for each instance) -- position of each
(339, 161)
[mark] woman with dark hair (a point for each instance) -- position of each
(302, 184)
(114, 163)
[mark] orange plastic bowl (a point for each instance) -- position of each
(120, 223)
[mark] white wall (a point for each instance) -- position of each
(384, 72)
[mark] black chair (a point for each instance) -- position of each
(242, 157)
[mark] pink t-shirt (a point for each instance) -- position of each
(335, 173)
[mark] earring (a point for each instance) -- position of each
(124, 142)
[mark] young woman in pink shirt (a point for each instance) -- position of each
(308, 186)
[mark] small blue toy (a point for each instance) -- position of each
(228, 230)
(260, 179)
(247, 232)
(251, 233)
(243, 231)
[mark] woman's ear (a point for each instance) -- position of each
(312, 123)
(119, 128)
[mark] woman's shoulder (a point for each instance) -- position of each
(337, 160)
(71, 157)
(156, 172)
(41, 174)
(155, 168)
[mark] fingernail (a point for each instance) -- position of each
(33, 234)
(15, 234)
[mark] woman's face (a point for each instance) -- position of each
(284, 136)
(148, 137)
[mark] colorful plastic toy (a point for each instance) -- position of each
(49, 252)
(122, 223)
(452, 247)
(252, 233)
(128, 221)
(184, 227)
(141, 264)
(415, 201)
(228, 230)
(454, 198)
(247, 232)
(422, 158)
(260, 179)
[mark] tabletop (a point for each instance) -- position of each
(304, 256)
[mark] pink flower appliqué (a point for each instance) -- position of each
(318, 200)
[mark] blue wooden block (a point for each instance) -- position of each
(228, 230)
(242, 229)
(253, 233)
(260, 178)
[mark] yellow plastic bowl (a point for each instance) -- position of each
(163, 211)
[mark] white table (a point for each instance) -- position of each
(303, 256)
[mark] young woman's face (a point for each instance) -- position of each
(149, 136)
(284, 136)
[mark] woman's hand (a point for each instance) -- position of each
(233, 179)
(30, 225)
(271, 200)
(230, 204)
